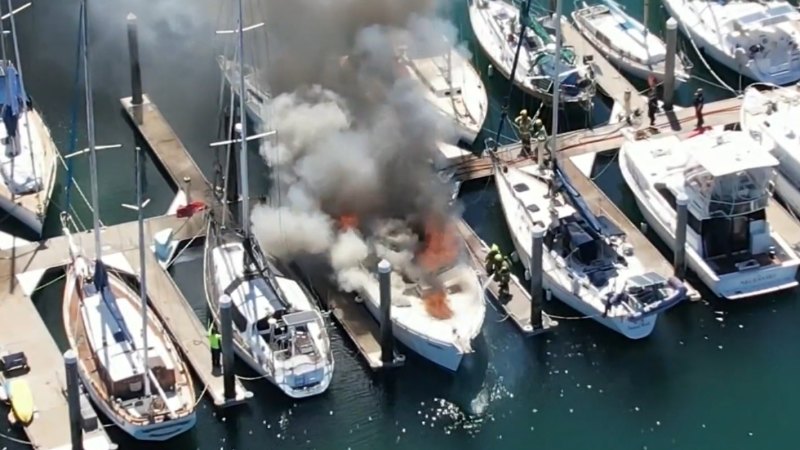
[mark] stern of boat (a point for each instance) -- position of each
(748, 283)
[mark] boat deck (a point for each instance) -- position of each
(600, 204)
(518, 305)
(784, 223)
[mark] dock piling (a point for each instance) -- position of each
(537, 278)
(387, 339)
(669, 63)
(73, 399)
(226, 326)
(136, 71)
(682, 202)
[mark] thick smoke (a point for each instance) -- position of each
(356, 135)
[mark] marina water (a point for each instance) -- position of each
(712, 375)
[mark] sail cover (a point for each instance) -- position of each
(122, 333)
(12, 98)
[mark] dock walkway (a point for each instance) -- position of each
(518, 305)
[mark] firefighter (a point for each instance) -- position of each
(652, 108)
(698, 106)
(503, 277)
(523, 122)
(489, 260)
(494, 264)
(215, 343)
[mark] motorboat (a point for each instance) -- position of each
(758, 39)
(767, 118)
(727, 182)
(438, 303)
(496, 25)
(626, 42)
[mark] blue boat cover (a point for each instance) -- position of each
(122, 333)
(12, 97)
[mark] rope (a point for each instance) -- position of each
(200, 397)
(260, 377)
(13, 439)
(610, 163)
(552, 316)
(703, 60)
(189, 244)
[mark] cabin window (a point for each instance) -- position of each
(532, 208)
(135, 386)
(521, 187)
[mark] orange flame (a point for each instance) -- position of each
(436, 304)
(348, 221)
(441, 246)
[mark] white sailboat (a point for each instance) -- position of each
(278, 330)
(28, 157)
(126, 360)
(727, 182)
(438, 303)
(496, 24)
(586, 262)
(452, 86)
(625, 42)
(758, 39)
(768, 118)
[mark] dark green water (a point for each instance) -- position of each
(712, 376)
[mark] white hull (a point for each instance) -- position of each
(733, 286)
(558, 280)
(441, 353)
(28, 217)
(706, 40)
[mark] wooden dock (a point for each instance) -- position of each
(610, 80)
(600, 205)
(518, 305)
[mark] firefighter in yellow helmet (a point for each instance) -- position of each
(503, 277)
(490, 256)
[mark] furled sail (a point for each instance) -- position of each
(12, 98)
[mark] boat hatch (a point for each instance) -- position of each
(521, 187)
(299, 318)
(533, 208)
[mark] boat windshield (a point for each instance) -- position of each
(737, 193)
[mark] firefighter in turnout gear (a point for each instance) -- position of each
(524, 124)
(215, 343)
(494, 264)
(489, 260)
(503, 277)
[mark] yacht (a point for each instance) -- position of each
(626, 42)
(758, 39)
(29, 154)
(437, 300)
(587, 263)
(728, 183)
(767, 117)
(496, 25)
(278, 329)
(452, 86)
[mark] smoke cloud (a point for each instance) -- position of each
(356, 135)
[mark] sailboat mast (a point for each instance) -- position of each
(142, 271)
(98, 249)
(244, 187)
(556, 83)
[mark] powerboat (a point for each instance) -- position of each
(756, 39)
(727, 182)
(496, 25)
(767, 117)
(626, 42)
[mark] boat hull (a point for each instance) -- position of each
(442, 354)
(734, 286)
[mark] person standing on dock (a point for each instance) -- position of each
(698, 106)
(503, 277)
(523, 123)
(493, 264)
(214, 342)
(652, 108)
(494, 250)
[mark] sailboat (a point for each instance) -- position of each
(28, 157)
(278, 330)
(758, 39)
(496, 24)
(627, 43)
(126, 360)
(586, 262)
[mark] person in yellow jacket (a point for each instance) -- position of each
(215, 343)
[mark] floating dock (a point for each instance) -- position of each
(518, 304)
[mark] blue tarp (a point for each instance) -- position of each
(12, 97)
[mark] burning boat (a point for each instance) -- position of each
(437, 300)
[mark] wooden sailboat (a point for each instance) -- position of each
(28, 157)
(585, 262)
(278, 330)
(126, 360)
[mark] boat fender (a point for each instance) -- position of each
(3, 393)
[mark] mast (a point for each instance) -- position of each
(556, 86)
(98, 249)
(244, 187)
(142, 271)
